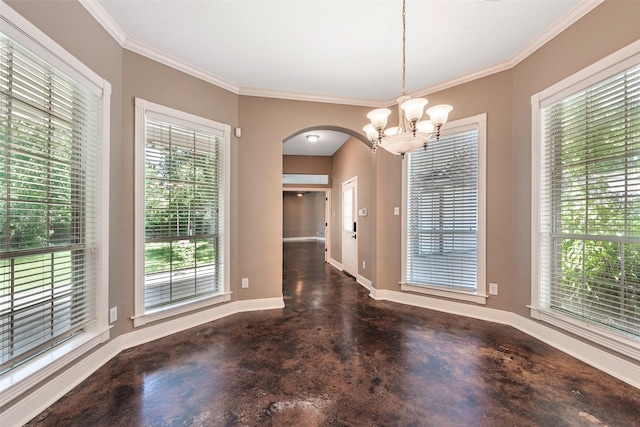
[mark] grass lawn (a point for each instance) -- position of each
(35, 271)
(45, 270)
(182, 254)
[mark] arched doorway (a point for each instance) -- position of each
(308, 168)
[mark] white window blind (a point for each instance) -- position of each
(50, 151)
(442, 213)
(184, 212)
(589, 213)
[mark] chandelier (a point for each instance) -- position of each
(411, 133)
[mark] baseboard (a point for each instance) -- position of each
(336, 264)
(621, 369)
(453, 307)
(178, 324)
(45, 395)
(359, 278)
(364, 282)
(48, 393)
(260, 304)
(607, 362)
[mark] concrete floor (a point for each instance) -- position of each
(334, 356)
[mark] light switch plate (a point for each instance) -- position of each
(493, 289)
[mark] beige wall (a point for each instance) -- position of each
(257, 164)
(303, 216)
(265, 124)
(386, 244)
(353, 159)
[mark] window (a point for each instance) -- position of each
(53, 208)
(586, 241)
(444, 214)
(182, 236)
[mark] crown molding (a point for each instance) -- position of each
(297, 96)
(465, 78)
(584, 7)
(172, 62)
(104, 19)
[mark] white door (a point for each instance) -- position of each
(349, 226)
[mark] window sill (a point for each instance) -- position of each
(445, 293)
(188, 306)
(617, 343)
(20, 379)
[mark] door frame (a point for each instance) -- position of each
(355, 219)
(327, 214)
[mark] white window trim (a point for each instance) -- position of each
(20, 379)
(480, 295)
(610, 65)
(140, 318)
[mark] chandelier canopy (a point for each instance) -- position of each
(411, 133)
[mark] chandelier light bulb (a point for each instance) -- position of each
(439, 114)
(371, 132)
(425, 126)
(379, 117)
(414, 108)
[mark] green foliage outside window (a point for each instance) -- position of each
(40, 187)
(596, 218)
(179, 212)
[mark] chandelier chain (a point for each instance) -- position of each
(404, 47)
(411, 133)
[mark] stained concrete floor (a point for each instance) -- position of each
(334, 356)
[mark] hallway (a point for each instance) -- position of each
(334, 356)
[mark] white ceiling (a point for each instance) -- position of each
(332, 50)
